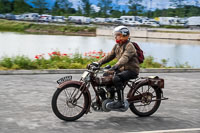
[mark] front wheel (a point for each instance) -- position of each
(148, 102)
(66, 103)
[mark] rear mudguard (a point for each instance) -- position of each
(146, 81)
(85, 91)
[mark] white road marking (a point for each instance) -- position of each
(168, 131)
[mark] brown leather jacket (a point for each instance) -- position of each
(126, 55)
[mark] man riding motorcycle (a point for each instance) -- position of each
(127, 66)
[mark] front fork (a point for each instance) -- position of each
(84, 88)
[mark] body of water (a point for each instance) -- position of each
(175, 51)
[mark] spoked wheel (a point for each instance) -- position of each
(147, 102)
(66, 103)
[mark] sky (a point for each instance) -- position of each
(161, 4)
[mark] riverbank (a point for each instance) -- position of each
(97, 30)
(33, 28)
(155, 33)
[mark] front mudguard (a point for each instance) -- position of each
(85, 91)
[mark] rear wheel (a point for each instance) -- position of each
(66, 105)
(148, 101)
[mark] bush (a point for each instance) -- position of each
(150, 63)
(59, 60)
(76, 66)
(6, 62)
(23, 63)
(185, 65)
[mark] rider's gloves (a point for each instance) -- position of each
(96, 64)
(114, 68)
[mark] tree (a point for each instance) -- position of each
(178, 4)
(135, 7)
(40, 6)
(79, 11)
(6, 6)
(56, 8)
(123, 12)
(62, 7)
(20, 6)
(105, 6)
(192, 11)
(86, 7)
(187, 11)
(115, 13)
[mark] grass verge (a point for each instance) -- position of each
(26, 27)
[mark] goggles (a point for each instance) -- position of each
(117, 34)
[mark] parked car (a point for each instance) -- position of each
(118, 21)
(193, 21)
(79, 19)
(108, 20)
(10, 16)
(46, 18)
(169, 20)
(19, 17)
(2, 16)
(31, 16)
(128, 18)
(183, 21)
(87, 20)
(59, 19)
(100, 20)
(132, 23)
(113, 19)
(151, 23)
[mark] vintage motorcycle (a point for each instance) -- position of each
(72, 99)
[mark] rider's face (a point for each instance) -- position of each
(117, 36)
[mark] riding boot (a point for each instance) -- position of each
(120, 95)
(119, 103)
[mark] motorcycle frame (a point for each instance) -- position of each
(133, 85)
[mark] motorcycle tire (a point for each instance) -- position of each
(135, 110)
(84, 97)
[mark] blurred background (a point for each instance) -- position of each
(104, 8)
(61, 34)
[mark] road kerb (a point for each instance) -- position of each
(79, 71)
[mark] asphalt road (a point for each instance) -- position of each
(25, 107)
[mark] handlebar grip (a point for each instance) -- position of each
(96, 68)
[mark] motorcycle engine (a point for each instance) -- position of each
(107, 96)
(104, 103)
(110, 92)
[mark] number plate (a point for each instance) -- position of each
(66, 78)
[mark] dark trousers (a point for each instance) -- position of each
(119, 79)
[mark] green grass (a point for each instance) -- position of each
(26, 27)
(6, 25)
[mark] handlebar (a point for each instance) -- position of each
(93, 68)
(96, 66)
